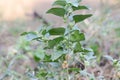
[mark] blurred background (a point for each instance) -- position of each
(102, 30)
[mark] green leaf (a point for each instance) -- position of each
(36, 58)
(79, 8)
(79, 18)
(57, 31)
(60, 48)
(44, 32)
(41, 73)
(76, 36)
(73, 2)
(40, 54)
(56, 55)
(47, 58)
(29, 35)
(78, 47)
(60, 3)
(37, 38)
(57, 11)
(86, 51)
(25, 33)
(52, 43)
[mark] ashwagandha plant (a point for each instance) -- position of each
(60, 53)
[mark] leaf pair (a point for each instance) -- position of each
(61, 12)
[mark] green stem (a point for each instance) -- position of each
(69, 28)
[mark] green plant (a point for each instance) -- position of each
(61, 55)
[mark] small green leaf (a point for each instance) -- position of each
(76, 36)
(52, 43)
(44, 32)
(73, 2)
(41, 73)
(57, 31)
(56, 55)
(86, 51)
(60, 3)
(59, 47)
(25, 33)
(36, 58)
(78, 47)
(79, 18)
(79, 8)
(39, 53)
(29, 35)
(47, 58)
(37, 38)
(57, 11)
